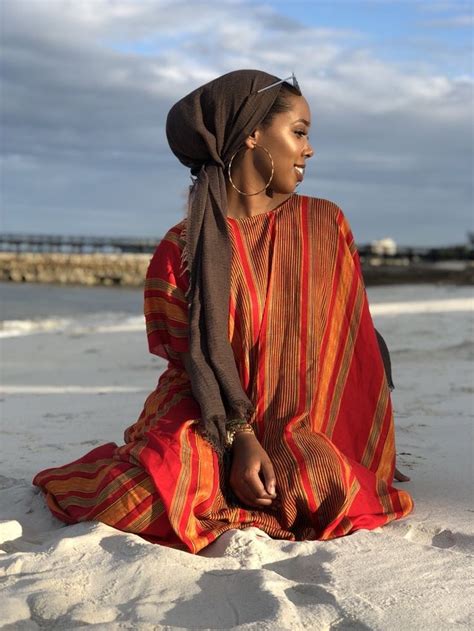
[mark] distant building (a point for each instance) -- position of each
(384, 247)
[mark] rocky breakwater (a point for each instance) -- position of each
(80, 269)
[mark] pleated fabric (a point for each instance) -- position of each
(308, 358)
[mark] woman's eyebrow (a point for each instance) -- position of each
(302, 120)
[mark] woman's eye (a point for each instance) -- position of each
(300, 133)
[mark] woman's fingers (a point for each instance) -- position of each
(248, 487)
(269, 477)
(252, 478)
(255, 486)
(244, 495)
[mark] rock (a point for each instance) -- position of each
(10, 530)
(79, 269)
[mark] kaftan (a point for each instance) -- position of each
(308, 358)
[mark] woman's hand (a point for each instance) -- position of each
(252, 478)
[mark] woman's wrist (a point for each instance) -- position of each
(244, 438)
(237, 428)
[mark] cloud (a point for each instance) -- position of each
(86, 87)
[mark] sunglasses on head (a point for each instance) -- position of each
(291, 80)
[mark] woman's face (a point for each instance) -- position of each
(287, 140)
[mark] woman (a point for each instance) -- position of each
(275, 408)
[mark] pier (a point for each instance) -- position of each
(76, 244)
(16, 242)
(86, 260)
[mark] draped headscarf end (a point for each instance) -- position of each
(186, 258)
(204, 129)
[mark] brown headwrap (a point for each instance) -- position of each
(204, 129)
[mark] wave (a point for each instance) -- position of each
(422, 306)
(87, 324)
(69, 389)
(14, 328)
(124, 323)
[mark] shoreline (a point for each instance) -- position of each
(129, 270)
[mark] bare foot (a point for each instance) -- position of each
(400, 477)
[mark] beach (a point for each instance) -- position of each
(75, 373)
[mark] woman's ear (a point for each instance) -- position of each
(251, 140)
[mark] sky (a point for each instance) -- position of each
(86, 86)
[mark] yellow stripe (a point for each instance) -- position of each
(159, 284)
(345, 362)
(110, 489)
(377, 426)
(161, 305)
(125, 503)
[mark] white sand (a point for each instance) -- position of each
(67, 391)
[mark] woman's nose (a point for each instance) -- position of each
(309, 151)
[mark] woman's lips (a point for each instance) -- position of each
(299, 173)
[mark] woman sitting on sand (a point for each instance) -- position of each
(275, 408)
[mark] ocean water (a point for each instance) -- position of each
(28, 308)
(30, 301)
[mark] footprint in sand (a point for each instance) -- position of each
(438, 537)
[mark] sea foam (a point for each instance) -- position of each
(124, 323)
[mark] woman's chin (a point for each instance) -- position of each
(287, 189)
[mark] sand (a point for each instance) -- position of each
(69, 388)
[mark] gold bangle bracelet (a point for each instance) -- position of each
(237, 428)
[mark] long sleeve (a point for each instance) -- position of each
(165, 306)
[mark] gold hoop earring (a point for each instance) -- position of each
(271, 174)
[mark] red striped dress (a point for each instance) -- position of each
(308, 358)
